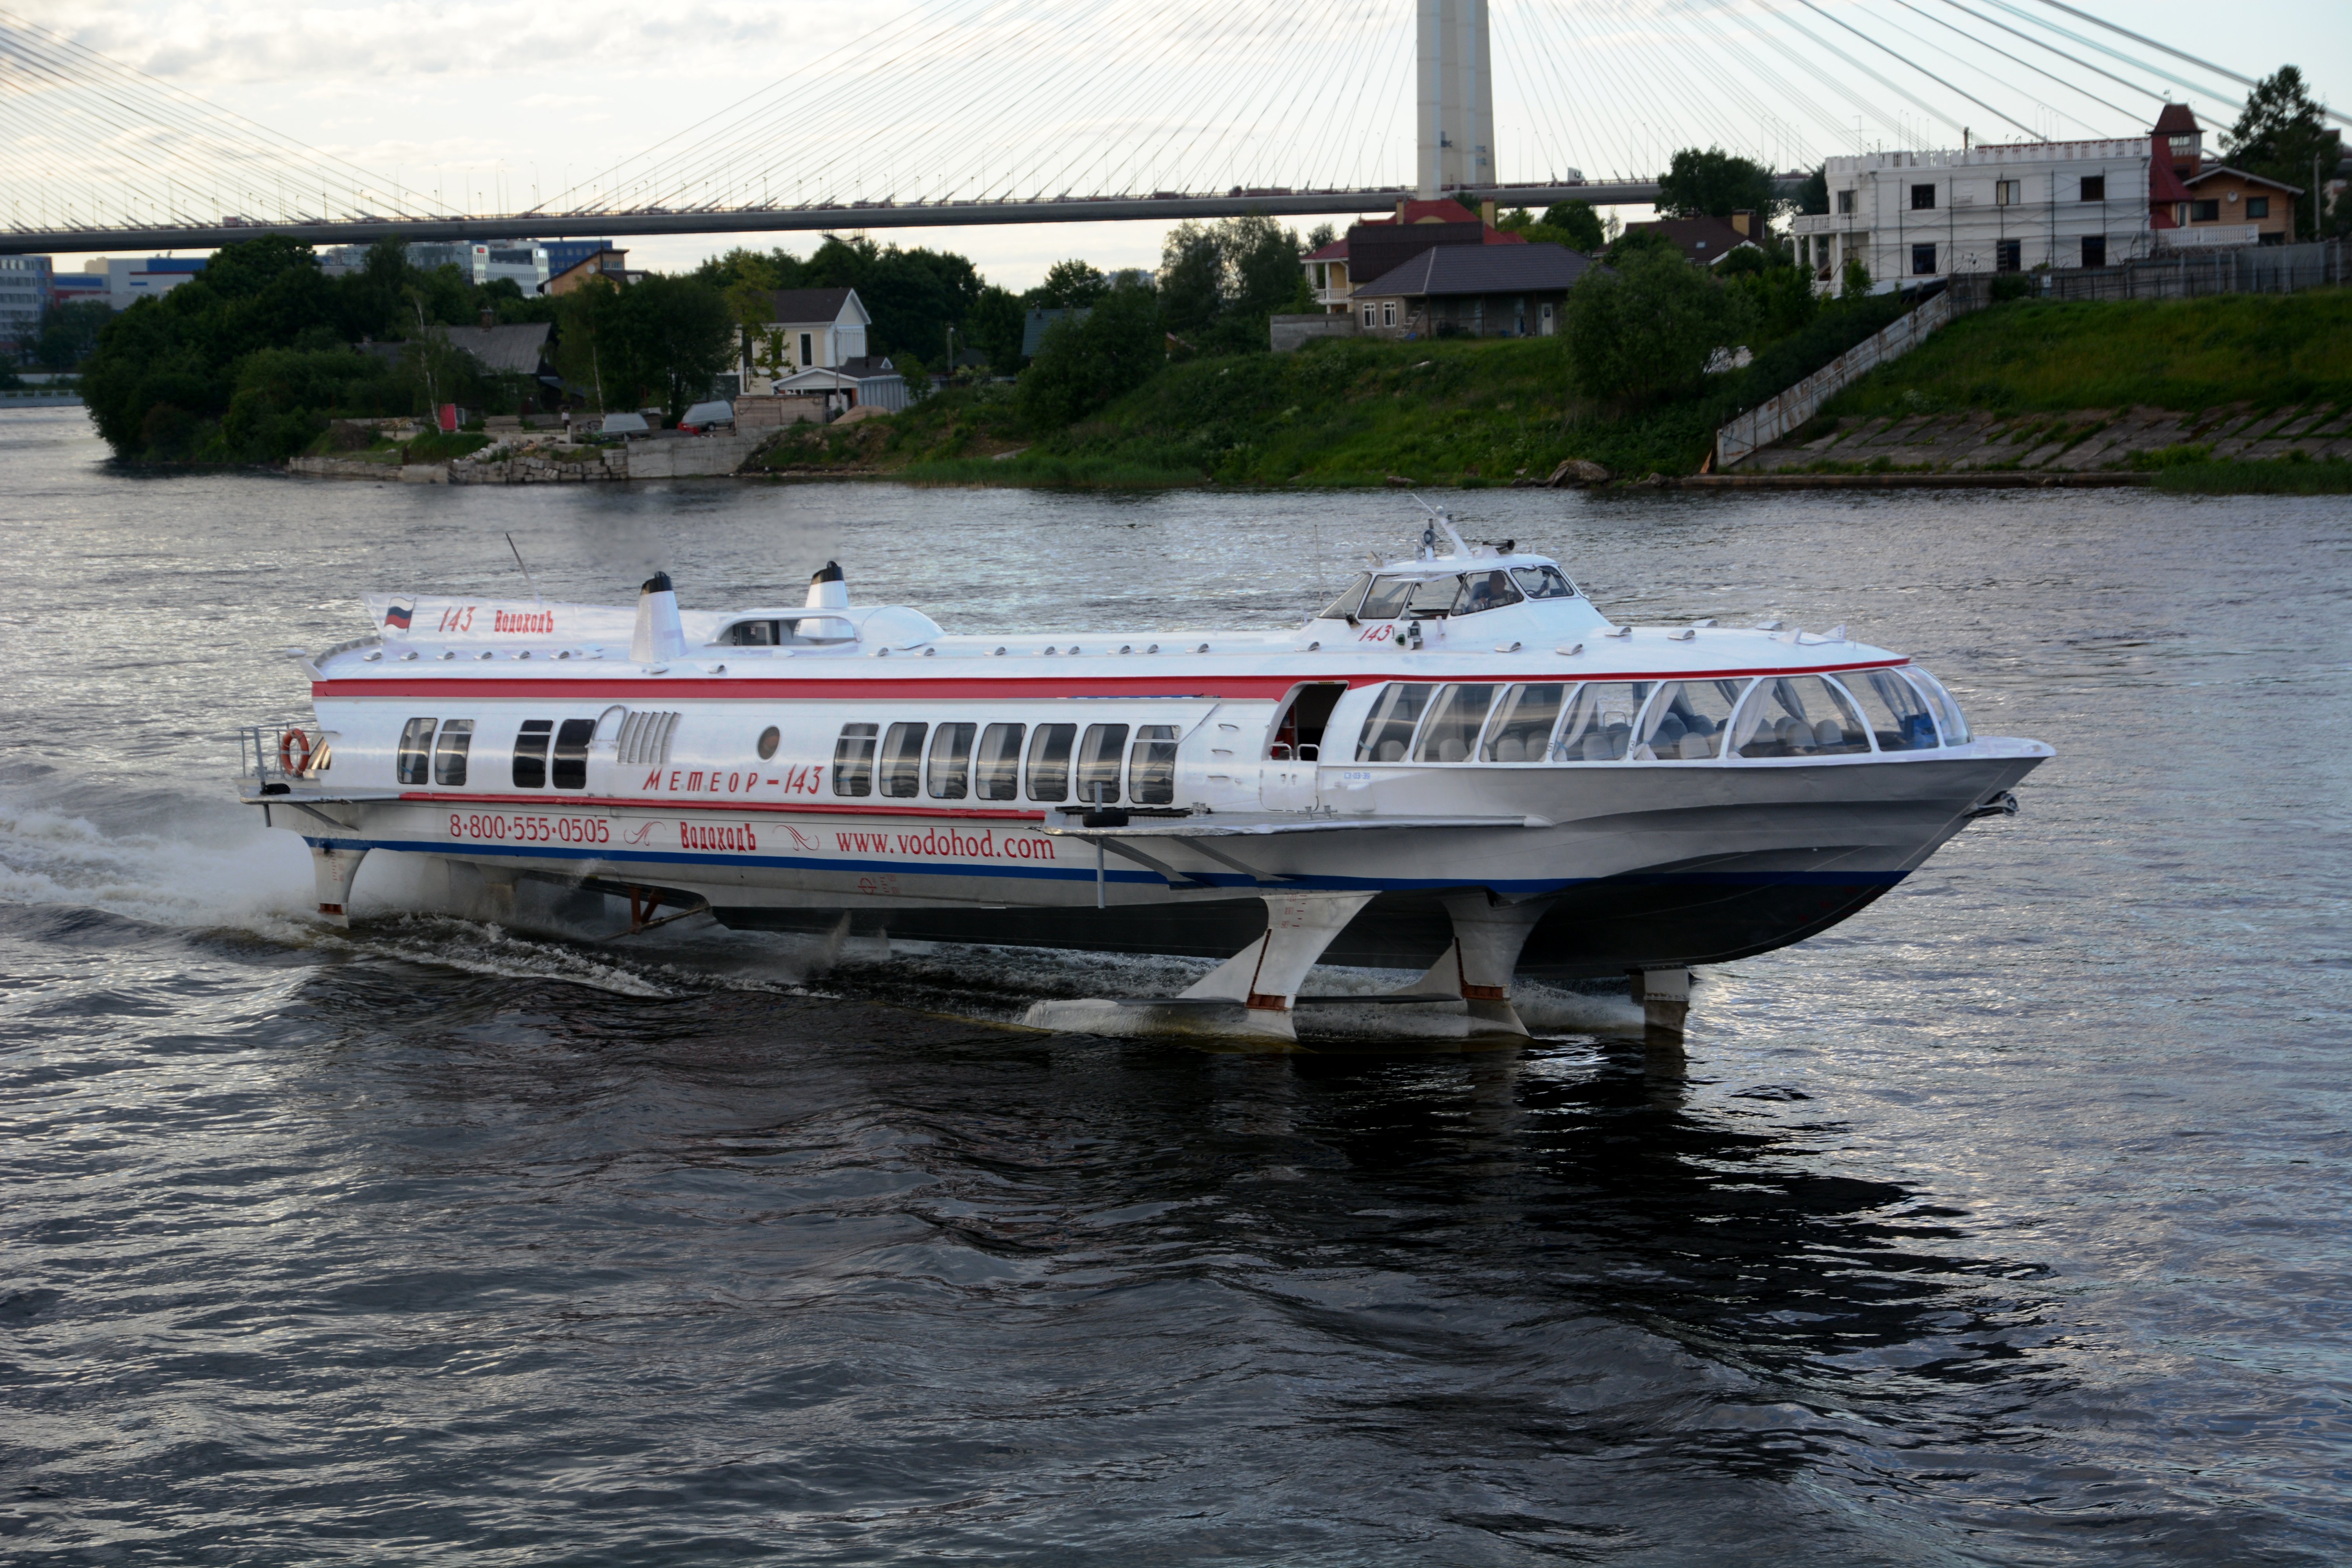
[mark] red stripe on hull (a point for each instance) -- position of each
(986, 688)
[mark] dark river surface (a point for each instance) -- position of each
(2004, 1223)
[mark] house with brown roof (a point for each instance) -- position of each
(2229, 206)
(1706, 241)
(1380, 245)
(1472, 290)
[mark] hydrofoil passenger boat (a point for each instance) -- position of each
(1459, 765)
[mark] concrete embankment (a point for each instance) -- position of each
(2107, 445)
(503, 464)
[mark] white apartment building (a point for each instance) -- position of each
(1911, 216)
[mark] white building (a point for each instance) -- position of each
(130, 280)
(1910, 216)
(806, 329)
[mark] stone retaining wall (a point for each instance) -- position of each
(2087, 441)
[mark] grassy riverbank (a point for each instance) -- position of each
(2265, 351)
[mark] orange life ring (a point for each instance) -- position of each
(290, 744)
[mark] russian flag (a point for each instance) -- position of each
(397, 616)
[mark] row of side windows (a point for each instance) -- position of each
(1674, 721)
(437, 751)
(958, 761)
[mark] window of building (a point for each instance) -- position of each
(1455, 721)
(2258, 206)
(2205, 212)
(949, 773)
(853, 760)
(2095, 250)
(1686, 721)
(902, 760)
(2006, 193)
(1049, 762)
(1845, 202)
(999, 762)
(1388, 729)
(2094, 187)
(1151, 766)
(2008, 256)
(1798, 716)
(1892, 709)
(1923, 198)
(1923, 259)
(808, 350)
(1599, 724)
(1388, 313)
(572, 740)
(530, 754)
(1368, 313)
(449, 752)
(1099, 760)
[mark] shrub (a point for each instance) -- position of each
(1647, 330)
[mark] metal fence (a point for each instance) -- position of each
(2250, 270)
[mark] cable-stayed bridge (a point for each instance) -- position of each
(967, 112)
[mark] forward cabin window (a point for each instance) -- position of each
(415, 750)
(999, 763)
(1455, 721)
(572, 752)
(1599, 724)
(948, 775)
(1893, 711)
(1049, 762)
(1947, 707)
(1151, 766)
(1345, 605)
(853, 760)
(1523, 723)
(1388, 731)
(1686, 721)
(449, 752)
(530, 754)
(1386, 599)
(1098, 759)
(1543, 583)
(902, 760)
(1798, 716)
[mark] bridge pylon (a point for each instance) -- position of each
(1455, 123)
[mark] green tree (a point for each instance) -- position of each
(1715, 184)
(1639, 239)
(2278, 134)
(1069, 286)
(674, 337)
(1083, 365)
(1192, 282)
(996, 326)
(1814, 198)
(1578, 224)
(1854, 280)
(70, 332)
(1645, 330)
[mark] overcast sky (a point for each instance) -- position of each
(523, 99)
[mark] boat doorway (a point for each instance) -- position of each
(1286, 780)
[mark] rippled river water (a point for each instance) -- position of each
(2004, 1223)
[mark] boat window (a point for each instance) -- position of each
(902, 760)
(1487, 591)
(1098, 758)
(1947, 706)
(1543, 583)
(949, 773)
(572, 752)
(1599, 724)
(415, 748)
(1345, 605)
(770, 739)
(1386, 600)
(1049, 762)
(1798, 716)
(1687, 720)
(1893, 708)
(1151, 766)
(1455, 719)
(449, 752)
(751, 634)
(853, 760)
(999, 762)
(1388, 731)
(1435, 598)
(530, 754)
(799, 631)
(1523, 723)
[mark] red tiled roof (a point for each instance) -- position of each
(2176, 120)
